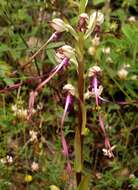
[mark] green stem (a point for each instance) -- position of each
(79, 141)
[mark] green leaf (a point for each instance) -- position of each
(77, 145)
(129, 33)
(83, 118)
(83, 4)
(84, 184)
(51, 55)
(55, 45)
(96, 2)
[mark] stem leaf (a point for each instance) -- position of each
(84, 184)
(78, 163)
(83, 4)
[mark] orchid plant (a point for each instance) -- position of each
(65, 57)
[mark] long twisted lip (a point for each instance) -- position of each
(55, 71)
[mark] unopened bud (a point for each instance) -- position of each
(122, 73)
(70, 88)
(94, 70)
(97, 17)
(106, 50)
(83, 22)
(58, 24)
(67, 51)
(92, 50)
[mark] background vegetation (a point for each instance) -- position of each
(30, 152)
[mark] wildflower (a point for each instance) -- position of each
(132, 19)
(108, 152)
(95, 70)
(91, 93)
(19, 112)
(134, 77)
(7, 160)
(35, 166)
(92, 50)
(83, 22)
(95, 20)
(132, 176)
(67, 51)
(58, 24)
(69, 88)
(122, 73)
(33, 135)
(94, 73)
(54, 187)
(28, 178)
(70, 93)
(64, 62)
(106, 50)
(97, 17)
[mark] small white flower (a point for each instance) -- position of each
(92, 50)
(9, 159)
(35, 166)
(132, 19)
(22, 113)
(134, 77)
(58, 24)
(14, 108)
(3, 160)
(122, 73)
(33, 135)
(106, 50)
(109, 60)
(108, 152)
(93, 70)
(70, 88)
(132, 176)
